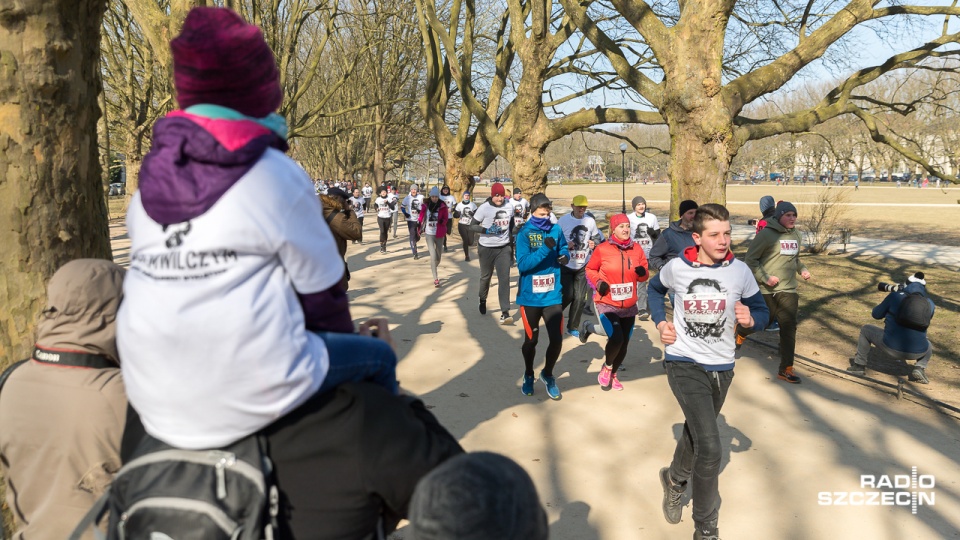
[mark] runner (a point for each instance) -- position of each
(521, 209)
(582, 235)
(614, 270)
(713, 292)
(450, 201)
(464, 212)
(386, 208)
(493, 221)
(367, 195)
(395, 197)
(433, 225)
(541, 252)
(646, 230)
(359, 204)
(774, 258)
(411, 206)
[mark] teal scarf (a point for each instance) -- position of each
(274, 122)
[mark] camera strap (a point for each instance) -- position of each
(71, 359)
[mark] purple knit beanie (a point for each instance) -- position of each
(220, 59)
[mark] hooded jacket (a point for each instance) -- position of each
(670, 245)
(900, 338)
(617, 266)
(538, 265)
(442, 214)
(61, 425)
(775, 251)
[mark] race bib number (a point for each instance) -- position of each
(517, 222)
(789, 247)
(465, 219)
(579, 256)
(543, 283)
(621, 291)
(704, 307)
(645, 243)
(431, 228)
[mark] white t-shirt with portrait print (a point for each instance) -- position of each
(586, 229)
(211, 330)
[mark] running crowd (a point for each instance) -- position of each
(230, 335)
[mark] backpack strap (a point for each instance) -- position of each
(6, 373)
(92, 519)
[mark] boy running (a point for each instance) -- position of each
(714, 291)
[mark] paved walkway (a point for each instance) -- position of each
(594, 455)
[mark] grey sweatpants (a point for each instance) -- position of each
(433, 246)
(870, 334)
(495, 258)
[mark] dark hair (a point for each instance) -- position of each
(708, 212)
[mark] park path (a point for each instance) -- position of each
(594, 455)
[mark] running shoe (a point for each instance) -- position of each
(856, 369)
(583, 333)
(383, 250)
(604, 377)
(644, 315)
(505, 318)
(527, 387)
(706, 530)
(436, 283)
(573, 332)
(671, 497)
(789, 376)
(551, 383)
(615, 382)
(416, 256)
(773, 327)
(483, 307)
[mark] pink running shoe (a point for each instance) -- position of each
(604, 377)
(615, 382)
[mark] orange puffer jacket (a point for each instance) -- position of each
(617, 266)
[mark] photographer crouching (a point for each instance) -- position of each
(907, 312)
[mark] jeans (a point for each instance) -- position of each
(413, 229)
(495, 258)
(701, 394)
(871, 334)
(574, 287)
(355, 358)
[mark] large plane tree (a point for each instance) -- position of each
(700, 64)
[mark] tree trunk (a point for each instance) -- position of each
(51, 198)
(529, 166)
(459, 177)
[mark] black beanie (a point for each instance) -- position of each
(688, 205)
(477, 496)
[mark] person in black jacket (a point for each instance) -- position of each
(347, 461)
(677, 237)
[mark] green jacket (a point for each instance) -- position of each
(775, 251)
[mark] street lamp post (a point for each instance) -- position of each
(623, 178)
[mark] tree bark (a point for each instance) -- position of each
(51, 199)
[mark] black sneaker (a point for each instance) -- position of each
(856, 369)
(416, 256)
(483, 307)
(584, 333)
(918, 375)
(505, 318)
(671, 497)
(706, 531)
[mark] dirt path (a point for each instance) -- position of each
(595, 455)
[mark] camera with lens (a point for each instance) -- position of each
(897, 287)
(890, 287)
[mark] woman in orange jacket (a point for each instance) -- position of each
(614, 270)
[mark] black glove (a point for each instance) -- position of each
(640, 271)
(550, 242)
(603, 288)
(563, 260)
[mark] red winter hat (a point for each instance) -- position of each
(220, 59)
(617, 220)
(497, 189)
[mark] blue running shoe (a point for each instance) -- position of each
(773, 327)
(551, 384)
(527, 387)
(573, 332)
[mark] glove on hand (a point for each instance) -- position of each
(640, 271)
(550, 242)
(603, 288)
(563, 260)
(493, 229)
